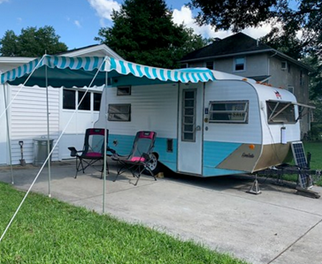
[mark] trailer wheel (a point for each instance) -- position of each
(154, 165)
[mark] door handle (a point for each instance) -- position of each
(198, 128)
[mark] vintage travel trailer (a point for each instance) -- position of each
(208, 123)
(230, 125)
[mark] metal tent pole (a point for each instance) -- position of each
(48, 139)
(105, 144)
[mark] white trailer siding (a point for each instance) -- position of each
(232, 132)
(222, 139)
(153, 107)
(225, 148)
(272, 132)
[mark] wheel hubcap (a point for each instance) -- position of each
(153, 162)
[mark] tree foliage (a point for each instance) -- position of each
(32, 42)
(144, 32)
(296, 25)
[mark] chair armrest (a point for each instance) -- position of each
(73, 151)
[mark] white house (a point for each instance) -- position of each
(27, 112)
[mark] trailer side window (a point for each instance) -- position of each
(119, 112)
(280, 112)
(228, 112)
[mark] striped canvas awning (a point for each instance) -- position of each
(89, 71)
(180, 75)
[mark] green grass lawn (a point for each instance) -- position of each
(48, 231)
(315, 148)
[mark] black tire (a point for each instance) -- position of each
(154, 164)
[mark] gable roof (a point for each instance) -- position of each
(235, 45)
(230, 46)
(97, 50)
(100, 50)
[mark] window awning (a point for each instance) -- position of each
(58, 71)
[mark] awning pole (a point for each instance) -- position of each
(48, 139)
(8, 132)
(105, 145)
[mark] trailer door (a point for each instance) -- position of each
(190, 129)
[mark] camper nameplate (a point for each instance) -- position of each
(248, 155)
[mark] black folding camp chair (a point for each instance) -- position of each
(139, 160)
(93, 150)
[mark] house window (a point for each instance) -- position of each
(97, 101)
(89, 102)
(123, 90)
(283, 65)
(239, 64)
(210, 65)
(69, 97)
(280, 112)
(290, 88)
(84, 100)
(228, 112)
(119, 112)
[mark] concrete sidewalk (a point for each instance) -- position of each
(278, 226)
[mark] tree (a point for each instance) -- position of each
(143, 32)
(32, 42)
(305, 18)
(286, 19)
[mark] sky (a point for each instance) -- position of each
(77, 22)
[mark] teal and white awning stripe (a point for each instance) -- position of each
(74, 63)
(60, 62)
(103, 64)
(138, 70)
(19, 71)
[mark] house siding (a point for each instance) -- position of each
(291, 77)
(269, 64)
(29, 119)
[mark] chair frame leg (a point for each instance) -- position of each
(140, 168)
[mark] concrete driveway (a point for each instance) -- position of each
(277, 226)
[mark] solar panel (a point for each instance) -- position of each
(301, 162)
(299, 154)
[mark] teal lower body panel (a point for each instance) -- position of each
(213, 154)
(123, 144)
(212, 172)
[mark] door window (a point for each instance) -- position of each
(189, 116)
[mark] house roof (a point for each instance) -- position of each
(92, 50)
(235, 45)
(98, 50)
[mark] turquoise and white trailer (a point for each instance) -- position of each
(231, 125)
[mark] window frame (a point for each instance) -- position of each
(86, 103)
(65, 100)
(235, 64)
(275, 111)
(93, 107)
(112, 116)
(210, 65)
(119, 91)
(244, 112)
